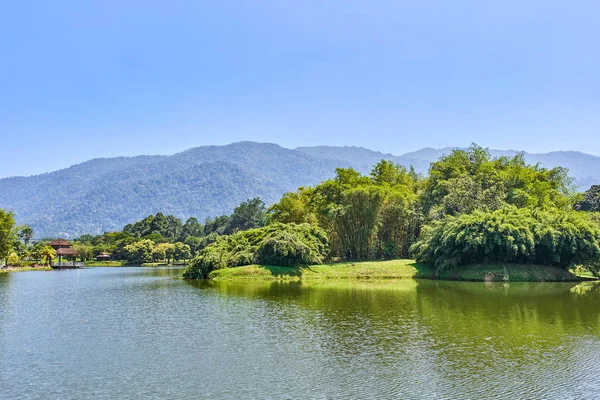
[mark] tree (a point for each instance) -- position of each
(7, 223)
(85, 251)
(25, 234)
(365, 217)
(192, 227)
(249, 214)
(284, 244)
(160, 225)
(162, 251)
(47, 253)
(469, 180)
(293, 208)
(181, 251)
(140, 251)
(195, 244)
(158, 252)
(590, 201)
(510, 235)
(219, 225)
(13, 259)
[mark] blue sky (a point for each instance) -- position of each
(85, 79)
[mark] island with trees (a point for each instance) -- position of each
(472, 217)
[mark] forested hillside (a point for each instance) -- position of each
(105, 194)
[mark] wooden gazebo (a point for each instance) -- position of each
(103, 257)
(65, 249)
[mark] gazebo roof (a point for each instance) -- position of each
(60, 242)
(66, 251)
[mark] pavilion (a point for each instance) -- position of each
(103, 257)
(64, 248)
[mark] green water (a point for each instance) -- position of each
(141, 333)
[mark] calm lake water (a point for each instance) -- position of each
(141, 333)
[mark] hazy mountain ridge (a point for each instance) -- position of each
(107, 193)
(584, 168)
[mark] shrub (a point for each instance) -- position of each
(276, 244)
(510, 235)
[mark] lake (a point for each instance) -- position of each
(142, 333)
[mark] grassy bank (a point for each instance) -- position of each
(507, 273)
(394, 269)
(123, 263)
(23, 269)
(163, 264)
(104, 263)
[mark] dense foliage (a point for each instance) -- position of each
(510, 235)
(7, 223)
(590, 200)
(276, 244)
(162, 237)
(469, 180)
(365, 217)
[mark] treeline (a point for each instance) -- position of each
(167, 238)
(470, 208)
(16, 244)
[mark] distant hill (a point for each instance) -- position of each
(584, 168)
(105, 194)
(363, 159)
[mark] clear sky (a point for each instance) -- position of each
(85, 79)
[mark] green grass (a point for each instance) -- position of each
(104, 263)
(393, 269)
(163, 264)
(508, 273)
(22, 269)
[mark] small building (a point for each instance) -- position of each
(65, 249)
(103, 257)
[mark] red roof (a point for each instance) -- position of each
(60, 242)
(66, 251)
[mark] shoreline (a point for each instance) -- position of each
(396, 269)
(24, 269)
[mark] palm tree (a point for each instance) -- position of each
(48, 253)
(26, 234)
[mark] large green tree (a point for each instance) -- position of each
(469, 180)
(192, 227)
(140, 251)
(7, 224)
(590, 200)
(248, 215)
(365, 217)
(25, 233)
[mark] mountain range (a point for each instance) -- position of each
(105, 194)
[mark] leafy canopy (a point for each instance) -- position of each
(469, 180)
(7, 223)
(510, 235)
(279, 244)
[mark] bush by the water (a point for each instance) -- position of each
(510, 235)
(275, 244)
